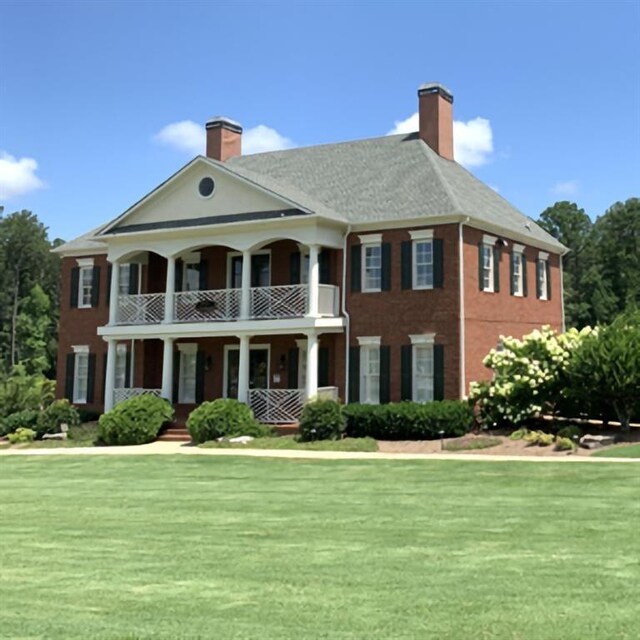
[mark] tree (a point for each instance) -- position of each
(33, 330)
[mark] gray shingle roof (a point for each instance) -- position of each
(385, 179)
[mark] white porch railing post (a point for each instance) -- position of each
(110, 375)
(169, 290)
(167, 369)
(314, 280)
(312, 365)
(114, 293)
(243, 369)
(245, 299)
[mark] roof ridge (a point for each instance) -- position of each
(430, 155)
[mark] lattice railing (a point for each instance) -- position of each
(276, 406)
(141, 308)
(328, 297)
(289, 301)
(120, 395)
(214, 305)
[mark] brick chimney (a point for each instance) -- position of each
(435, 108)
(224, 138)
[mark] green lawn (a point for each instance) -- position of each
(173, 547)
(289, 442)
(626, 451)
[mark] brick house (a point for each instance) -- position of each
(373, 271)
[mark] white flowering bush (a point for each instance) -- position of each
(528, 376)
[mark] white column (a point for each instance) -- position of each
(110, 375)
(243, 369)
(312, 365)
(114, 292)
(314, 280)
(245, 299)
(167, 369)
(170, 290)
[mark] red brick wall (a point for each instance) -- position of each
(490, 315)
(394, 315)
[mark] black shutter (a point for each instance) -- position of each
(324, 260)
(438, 372)
(356, 268)
(75, 286)
(354, 374)
(95, 287)
(512, 272)
(109, 276)
(406, 268)
(127, 371)
(176, 376)
(200, 363)
(323, 367)
(134, 270)
(178, 278)
(438, 264)
(385, 280)
(480, 266)
(69, 375)
(203, 275)
(548, 268)
(292, 369)
(385, 374)
(497, 256)
(525, 285)
(91, 377)
(538, 269)
(406, 372)
(294, 268)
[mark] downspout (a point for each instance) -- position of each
(463, 372)
(564, 328)
(346, 314)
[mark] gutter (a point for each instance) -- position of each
(463, 372)
(346, 314)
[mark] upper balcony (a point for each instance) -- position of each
(225, 305)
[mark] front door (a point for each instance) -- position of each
(258, 370)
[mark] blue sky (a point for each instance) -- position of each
(547, 93)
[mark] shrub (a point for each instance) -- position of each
(322, 420)
(57, 413)
(540, 438)
(220, 418)
(519, 434)
(88, 415)
(20, 391)
(27, 418)
(22, 435)
(134, 421)
(569, 431)
(408, 420)
(564, 444)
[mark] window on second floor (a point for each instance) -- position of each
(543, 283)
(423, 264)
(372, 267)
(518, 271)
(487, 267)
(124, 279)
(85, 290)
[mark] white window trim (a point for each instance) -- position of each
(367, 341)
(186, 348)
(236, 254)
(79, 350)
(363, 267)
(84, 268)
(518, 252)
(85, 262)
(543, 258)
(487, 239)
(422, 342)
(492, 274)
(121, 352)
(366, 348)
(371, 238)
(422, 338)
(414, 263)
(421, 234)
(236, 347)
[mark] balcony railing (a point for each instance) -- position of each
(119, 395)
(224, 305)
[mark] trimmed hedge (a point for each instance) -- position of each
(222, 418)
(134, 421)
(409, 420)
(322, 420)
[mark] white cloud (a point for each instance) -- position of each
(185, 135)
(190, 137)
(568, 188)
(18, 176)
(472, 140)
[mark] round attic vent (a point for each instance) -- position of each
(206, 187)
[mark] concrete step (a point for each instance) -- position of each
(175, 434)
(287, 429)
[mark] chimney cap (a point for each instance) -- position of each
(225, 123)
(435, 87)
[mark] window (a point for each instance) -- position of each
(124, 279)
(191, 276)
(121, 367)
(422, 373)
(304, 268)
(517, 271)
(422, 264)
(260, 269)
(372, 267)
(81, 375)
(302, 363)
(206, 187)
(369, 370)
(543, 276)
(85, 289)
(187, 380)
(487, 263)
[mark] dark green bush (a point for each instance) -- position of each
(223, 417)
(409, 420)
(57, 413)
(570, 431)
(322, 420)
(28, 418)
(134, 421)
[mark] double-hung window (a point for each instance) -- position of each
(81, 375)
(85, 290)
(422, 267)
(487, 263)
(372, 267)
(542, 276)
(369, 370)
(517, 270)
(121, 366)
(188, 367)
(124, 279)
(422, 364)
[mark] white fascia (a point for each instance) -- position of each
(369, 341)
(423, 338)
(421, 234)
(85, 262)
